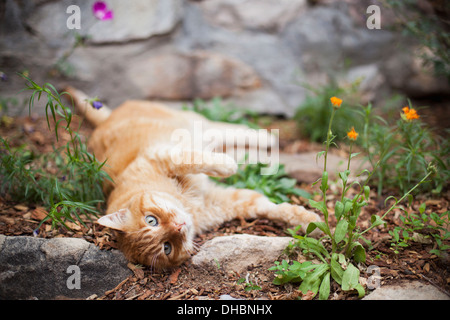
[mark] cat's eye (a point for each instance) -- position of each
(151, 221)
(167, 248)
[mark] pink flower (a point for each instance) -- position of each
(101, 11)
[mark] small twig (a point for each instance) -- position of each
(135, 296)
(180, 296)
(435, 285)
(117, 287)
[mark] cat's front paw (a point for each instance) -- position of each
(219, 165)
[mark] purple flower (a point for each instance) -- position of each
(101, 11)
(97, 104)
(3, 76)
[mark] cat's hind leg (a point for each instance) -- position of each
(230, 203)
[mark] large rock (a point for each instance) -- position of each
(256, 54)
(200, 74)
(325, 37)
(240, 251)
(141, 20)
(47, 268)
(266, 15)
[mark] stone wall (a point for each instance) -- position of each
(254, 52)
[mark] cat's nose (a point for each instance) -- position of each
(178, 226)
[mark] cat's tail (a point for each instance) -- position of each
(93, 115)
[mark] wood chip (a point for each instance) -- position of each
(39, 214)
(117, 287)
(138, 272)
(21, 207)
(174, 276)
(179, 296)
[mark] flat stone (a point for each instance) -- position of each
(238, 252)
(406, 290)
(36, 268)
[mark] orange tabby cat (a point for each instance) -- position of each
(162, 196)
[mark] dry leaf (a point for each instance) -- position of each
(73, 226)
(308, 296)
(39, 214)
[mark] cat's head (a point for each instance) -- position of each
(153, 230)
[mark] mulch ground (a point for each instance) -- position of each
(194, 283)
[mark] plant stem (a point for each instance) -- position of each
(401, 199)
(328, 140)
(324, 192)
(344, 185)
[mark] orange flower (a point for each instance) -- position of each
(409, 114)
(336, 102)
(352, 134)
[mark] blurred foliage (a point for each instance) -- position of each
(428, 22)
(313, 115)
(217, 110)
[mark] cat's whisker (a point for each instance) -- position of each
(152, 264)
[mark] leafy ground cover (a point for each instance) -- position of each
(416, 260)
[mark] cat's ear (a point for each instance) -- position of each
(117, 220)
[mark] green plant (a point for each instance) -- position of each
(276, 187)
(248, 285)
(422, 227)
(404, 150)
(68, 182)
(338, 249)
(216, 110)
(313, 115)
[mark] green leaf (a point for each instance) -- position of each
(360, 253)
(338, 209)
(301, 193)
(336, 271)
(375, 220)
(350, 278)
(344, 175)
(422, 208)
(324, 185)
(361, 291)
(324, 289)
(318, 272)
(313, 280)
(367, 192)
(354, 155)
(286, 183)
(341, 231)
(319, 206)
(348, 206)
(321, 225)
(319, 154)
